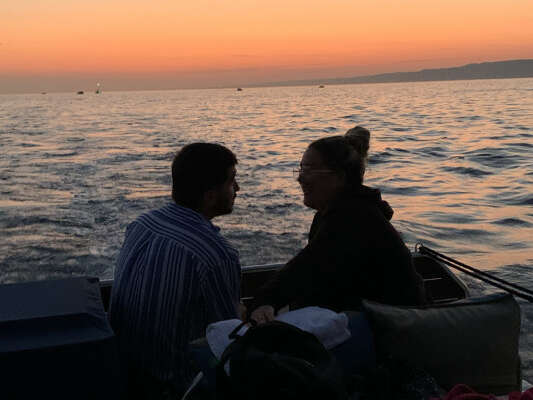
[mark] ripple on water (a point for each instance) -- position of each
(434, 151)
(472, 235)
(404, 191)
(381, 157)
(492, 158)
(468, 171)
(307, 129)
(33, 133)
(400, 150)
(468, 118)
(512, 222)
(57, 154)
(517, 199)
(14, 221)
(434, 132)
(521, 144)
(450, 218)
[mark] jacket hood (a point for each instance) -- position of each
(374, 195)
(370, 195)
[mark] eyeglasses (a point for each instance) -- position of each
(310, 171)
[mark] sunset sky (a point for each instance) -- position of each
(65, 45)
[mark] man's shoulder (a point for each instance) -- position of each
(187, 230)
(170, 220)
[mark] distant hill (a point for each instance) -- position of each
(486, 70)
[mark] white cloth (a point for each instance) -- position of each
(329, 327)
(217, 335)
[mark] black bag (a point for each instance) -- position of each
(278, 361)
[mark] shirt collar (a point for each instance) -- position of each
(193, 215)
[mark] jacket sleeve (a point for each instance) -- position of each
(315, 262)
(294, 277)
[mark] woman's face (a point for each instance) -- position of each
(319, 183)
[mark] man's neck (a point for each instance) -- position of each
(204, 211)
(207, 213)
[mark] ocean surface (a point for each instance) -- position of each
(454, 159)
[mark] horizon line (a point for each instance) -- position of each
(310, 81)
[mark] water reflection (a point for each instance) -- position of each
(453, 159)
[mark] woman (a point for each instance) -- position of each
(353, 251)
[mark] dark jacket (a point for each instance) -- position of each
(353, 253)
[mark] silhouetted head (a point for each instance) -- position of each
(333, 164)
(203, 178)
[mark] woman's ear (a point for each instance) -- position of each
(343, 178)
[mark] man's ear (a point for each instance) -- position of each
(209, 197)
(208, 201)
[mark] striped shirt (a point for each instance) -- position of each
(175, 275)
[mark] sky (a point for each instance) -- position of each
(69, 45)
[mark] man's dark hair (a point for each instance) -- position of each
(197, 168)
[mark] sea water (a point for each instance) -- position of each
(454, 160)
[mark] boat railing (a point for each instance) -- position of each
(442, 286)
(261, 267)
(254, 276)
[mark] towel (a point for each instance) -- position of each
(329, 327)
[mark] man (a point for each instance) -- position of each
(175, 273)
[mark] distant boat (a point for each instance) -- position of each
(79, 92)
(43, 92)
(321, 86)
(97, 88)
(239, 89)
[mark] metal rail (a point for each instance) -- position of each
(510, 287)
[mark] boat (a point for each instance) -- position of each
(448, 294)
(321, 87)
(239, 89)
(79, 92)
(57, 323)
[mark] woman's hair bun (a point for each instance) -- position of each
(359, 138)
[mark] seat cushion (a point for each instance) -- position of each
(472, 341)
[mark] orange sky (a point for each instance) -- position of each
(66, 44)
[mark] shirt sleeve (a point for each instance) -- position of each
(220, 291)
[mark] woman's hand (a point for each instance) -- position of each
(263, 314)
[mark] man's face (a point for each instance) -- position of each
(225, 193)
